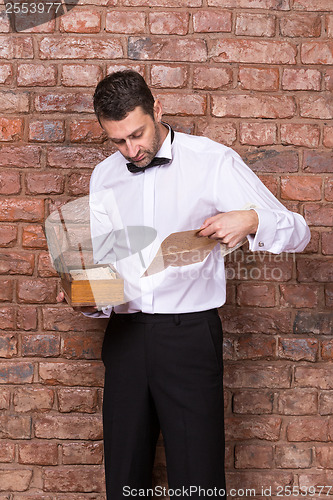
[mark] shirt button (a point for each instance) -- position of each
(261, 244)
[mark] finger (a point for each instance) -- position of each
(210, 220)
(60, 297)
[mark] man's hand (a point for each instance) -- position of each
(86, 309)
(230, 227)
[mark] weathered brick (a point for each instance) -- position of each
(317, 52)
(31, 75)
(26, 399)
(45, 266)
(205, 21)
(262, 25)
(324, 456)
(301, 79)
(30, 291)
(308, 429)
(41, 345)
(306, 376)
(171, 49)
(47, 131)
(327, 350)
(217, 130)
(255, 347)
(314, 5)
(15, 427)
(17, 209)
(81, 157)
(293, 456)
(327, 243)
(248, 321)
(64, 103)
(11, 129)
(27, 318)
(78, 400)
(310, 322)
(253, 456)
(6, 74)
(257, 134)
(44, 183)
(8, 235)
(300, 25)
(10, 182)
(165, 75)
(317, 107)
(253, 51)
(328, 79)
(270, 182)
(16, 47)
(125, 22)
(16, 262)
(7, 452)
(81, 346)
(6, 290)
(329, 294)
(326, 402)
(328, 137)
(257, 375)
(298, 402)
(7, 318)
(81, 75)
(299, 295)
(70, 47)
(269, 161)
(170, 23)
(300, 134)
(255, 402)
(313, 245)
(86, 131)
(81, 21)
(15, 479)
(82, 373)
(318, 215)
(303, 188)
(20, 156)
(329, 26)
(248, 106)
(269, 482)
(259, 78)
(162, 3)
(33, 236)
(251, 4)
(210, 77)
(140, 68)
(257, 267)
(298, 349)
(8, 345)
(78, 184)
(261, 295)
(258, 427)
(82, 453)
(66, 479)
(68, 427)
(39, 453)
(14, 102)
(318, 161)
(4, 22)
(184, 104)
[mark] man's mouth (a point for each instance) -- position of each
(138, 158)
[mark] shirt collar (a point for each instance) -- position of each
(165, 150)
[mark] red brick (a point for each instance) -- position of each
(310, 5)
(78, 400)
(270, 182)
(16, 47)
(182, 124)
(38, 291)
(328, 137)
(7, 452)
(82, 373)
(45, 266)
(262, 25)
(255, 402)
(318, 161)
(27, 318)
(7, 318)
(6, 74)
(303, 188)
(329, 26)
(255, 347)
(6, 290)
(44, 183)
(259, 78)
(324, 456)
(253, 456)
(206, 21)
(15, 427)
(293, 456)
(250, 4)
(306, 376)
(64, 103)
(82, 453)
(81, 75)
(261, 295)
(183, 104)
(14, 262)
(31, 75)
(301, 79)
(269, 161)
(39, 453)
(249, 321)
(170, 49)
(81, 157)
(10, 182)
(257, 134)
(327, 243)
(317, 107)
(299, 295)
(8, 235)
(317, 52)
(33, 236)
(4, 23)
(125, 22)
(70, 47)
(17, 209)
(140, 68)
(328, 79)
(313, 322)
(47, 131)
(8, 345)
(165, 75)
(313, 245)
(253, 51)
(248, 106)
(26, 399)
(11, 129)
(329, 295)
(80, 345)
(86, 131)
(257, 375)
(258, 427)
(326, 403)
(298, 349)
(14, 102)
(308, 429)
(26, 22)
(41, 345)
(220, 131)
(172, 23)
(300, 25)
(327, 350)
(81, 21)
(210, 77)
(259, 267)
(269, 482)
(20, 156)
(78, 184)
(162, 3)
(15, 479)
(66, 479)
(68, 427)
(318, 215)
(300, 134)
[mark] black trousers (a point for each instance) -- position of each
(164, 371)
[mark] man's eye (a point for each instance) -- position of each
(136, 136)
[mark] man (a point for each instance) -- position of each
(163, 348)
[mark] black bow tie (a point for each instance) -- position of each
(154, 163)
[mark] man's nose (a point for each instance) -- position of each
(132, 149)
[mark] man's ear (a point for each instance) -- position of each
(158, 110)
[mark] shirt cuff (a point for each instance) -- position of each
(105, 312)
(265, 235)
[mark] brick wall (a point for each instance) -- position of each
(256, 75)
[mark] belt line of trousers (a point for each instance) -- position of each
(163, 372)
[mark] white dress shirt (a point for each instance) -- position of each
(204, 178)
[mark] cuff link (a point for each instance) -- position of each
(261, 244)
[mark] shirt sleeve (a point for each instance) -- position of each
(279, 229)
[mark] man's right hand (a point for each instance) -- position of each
(84, 309)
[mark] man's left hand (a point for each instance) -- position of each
(230, 227)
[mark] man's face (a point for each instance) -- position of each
(137, 137)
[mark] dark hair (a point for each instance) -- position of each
(121, 92)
